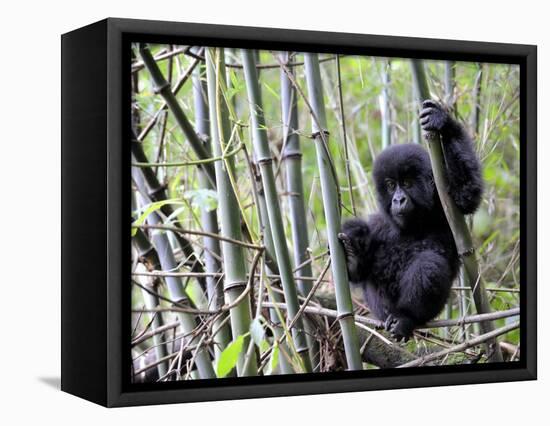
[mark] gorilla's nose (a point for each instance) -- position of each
(399, 200)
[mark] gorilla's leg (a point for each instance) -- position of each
(423, 291)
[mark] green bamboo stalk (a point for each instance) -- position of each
(284, 366)
(449, 84)
(417, 133)
(344, 134)
(152, 302)
(209, 219)
(177, 293)
(331, 206)
(148, 259)
(230, 218)
(464, 305)
(144, 250)
(164, 88)
(476, 95)
(385, 104)
(450, 72)
(457, 222)
(292, 159)
(265, 162)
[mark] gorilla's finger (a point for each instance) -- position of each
(426, 111)
(388, 323)
(343, 237)
(425, 120)
(346, 243)
(429, 103)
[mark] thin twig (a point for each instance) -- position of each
(458, 348)
(203, 234)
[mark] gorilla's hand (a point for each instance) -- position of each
(349, 250)
(433, 117)
(355, 238)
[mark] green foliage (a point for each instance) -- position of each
(202, 198)
(229, 357)
(151, 208)
(257, 332)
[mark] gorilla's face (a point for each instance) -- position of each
(404, 183)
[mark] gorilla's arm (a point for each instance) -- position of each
(360, 239)
(357, 240)
(463, 167)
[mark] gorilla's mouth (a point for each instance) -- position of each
(402, 214)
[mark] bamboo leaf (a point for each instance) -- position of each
(274, 358)
(153, 207)
(229, 357)
(197, 296)
(272, 91)
(202, 198)
(264, 346)
(257, 332)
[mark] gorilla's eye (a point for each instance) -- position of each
(407, 183)
(390, 184)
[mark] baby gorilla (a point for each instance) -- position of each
(404, 256)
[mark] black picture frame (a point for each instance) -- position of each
(96, 178)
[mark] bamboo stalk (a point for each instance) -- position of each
(209, 219)
(145, 251)
(450, 72)
(284, 364)
(164, 88)
(151, 302)
(385, 104)
(147, 258)
(449, 84)
(292, 160)
(331, 204)
(476, 95)
(230, 219)
(263, 156)
(416, 131)
(457, 222)
(344, 134)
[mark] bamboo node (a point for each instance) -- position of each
(294, 154)
(159, 88)
(261, 161)
(320, 133)
(154, 192)
(235, 284)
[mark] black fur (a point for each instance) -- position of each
(404, 256)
